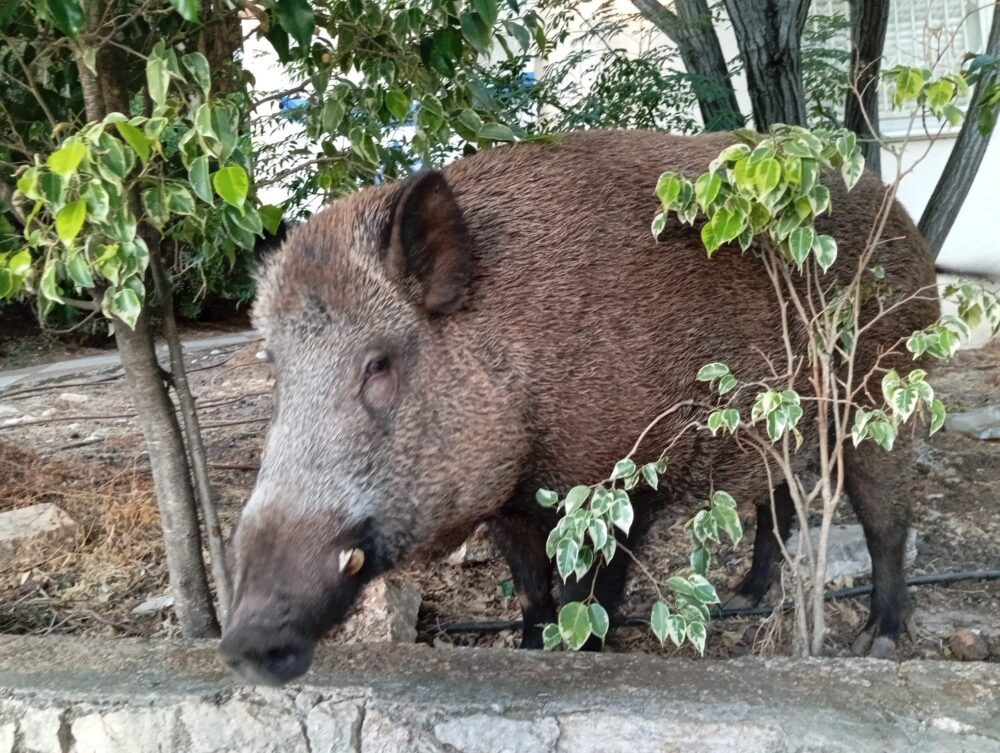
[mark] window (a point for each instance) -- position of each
(933, 34)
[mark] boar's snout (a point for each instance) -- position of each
(266, 652)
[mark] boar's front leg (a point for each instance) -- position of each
(520, 534)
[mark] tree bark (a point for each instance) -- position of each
(690, 28)
(769, 33)
(105, 93)
(171, 479)
(963, 163)
(192, 427)
(869, 21)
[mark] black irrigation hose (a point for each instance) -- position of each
(722, 614)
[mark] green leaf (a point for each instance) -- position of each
(852, 170)
(65, 160)
(890, 383)
(135, 139)
(475, 32)
(157, 80)
(487, 10)
(825, 250)
(659, 621)
(198, 67)
(79, 270)
(706, 189)
(66, 15)
(723, 499)
(126, 306)
(703, 590)
(701, 558)
(601, 501)
(396, 102)
(715, 422)
(729, 522)
(726, 225)
(188, 9)
(566, 553)
(727, 384)
(179, 199)
(546, 498)
(496, 132)
(800, 243)
(232, 184)
(598, 532)
(48, 285)
(97, 200)
(696, 633)
(599, 622)
(154, 202)
(468, 123)
(767, 175)
(551, 636)
(574, 624)
(712, 371)
(650, 475)
(622, 514)
(198, 178)
(69, 221)
(904, 402)
(623, 469)
(705, 528)
(296, 17)
(731, 418)
(584, 561)
(938, 414)
(668, 189)
(576, 497)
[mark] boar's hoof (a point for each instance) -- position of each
(867, 644)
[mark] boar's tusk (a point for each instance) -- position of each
(351, 561)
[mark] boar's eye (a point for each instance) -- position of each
(376, 365)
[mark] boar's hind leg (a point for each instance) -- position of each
(766, 549)
(520, 537)
(875, 485)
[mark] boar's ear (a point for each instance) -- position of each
(429, 242)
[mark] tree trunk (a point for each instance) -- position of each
(171, 479)
(768, 33)
(963, 162)
(192, 427)
(104, 93)
(690, 27)
(869, 21)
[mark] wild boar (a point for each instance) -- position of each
(446, 345)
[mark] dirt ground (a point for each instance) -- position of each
(73, 442)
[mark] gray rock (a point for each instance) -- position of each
(968, 645)
(387, 613)
(847, 552)
(487, 733)
(476, 550)
(943, 623)
(73, 397)
(8, 410)
(7, 737)
(34, 524)
(983, 423)
(156, 604)
(41, 730)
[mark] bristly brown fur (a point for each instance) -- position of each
(574, 329)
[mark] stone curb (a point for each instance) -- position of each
(74, 695)
(93, 363)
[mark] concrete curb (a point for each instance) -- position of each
(65, 695)
(93, 363)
